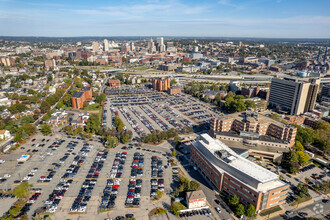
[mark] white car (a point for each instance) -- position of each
(2, 161)
(52, 210)
(218, 209)
(7, 175)
(26, 178)
(49, 202)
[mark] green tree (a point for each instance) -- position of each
(240, 210)
(233, 200)
(59, 105)
(275, 116)
(14, 211)
(193, 186)
(250, 104)
(174, 153)
(303, 158)
(100, 98)
(22, 190)
(251, 211)
(112, 141)
(215, 87)
(298, 146)
(49, 78)
(27, 119)
(176, 207)
(125, 139)
(46, 129)
(93, 123)
(45, 107)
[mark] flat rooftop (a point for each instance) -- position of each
(241, 116)
(227, 160)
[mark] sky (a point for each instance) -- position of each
(195, 18)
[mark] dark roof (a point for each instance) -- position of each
(87, 88)
(239, 151)
(77, 94)
(175, 87)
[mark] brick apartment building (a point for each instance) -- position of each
(78, 98)
(233, 174)
(255, 92)
(254, 123)
(174, 90)
(161, 84)
(114, 83)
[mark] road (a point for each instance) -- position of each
(317, 210)
(209, 191)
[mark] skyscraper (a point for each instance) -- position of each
(132, 47)
(151, 46)
(95, 46)
(105, 45)
(160, 44)
(293, 95)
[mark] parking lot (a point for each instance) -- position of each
(72, 180)
(315, 174)
(145, 113)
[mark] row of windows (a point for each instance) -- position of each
(242, 193)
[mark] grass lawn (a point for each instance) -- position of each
(300, 200)
(270, 211)
(140, 68)
(93, 107)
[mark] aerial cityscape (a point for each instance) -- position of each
(164, 110)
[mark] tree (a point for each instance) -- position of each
(304, 190)
(251, 211)
(46, 129)
(193, 186)
(174, 153)
(176, 207)
(44, 107)
(250, 104)
(125, 139)
(27, 119)
(22, 190)
(100, 98)
(214, 87)
(112, 141)
(298, 146)
(240, 210)
(303, 158)
(59, 105)
(49, 78)
(233, 200)
(173, 82)
(93, 123)
(14, 211)
(275, 116)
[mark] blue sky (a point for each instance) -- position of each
(218, 18)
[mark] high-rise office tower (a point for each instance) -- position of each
(95, 46)
(105, 45)
(151, 46)
(132, 47)
(160, 44)
(293, 95)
